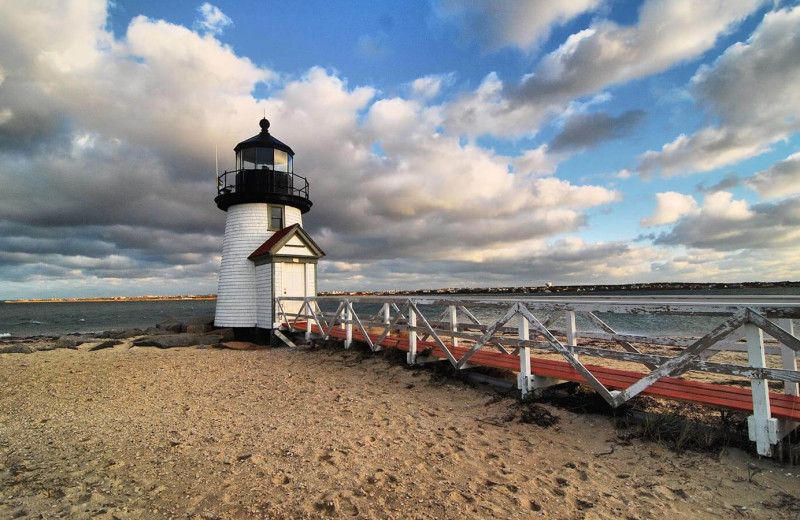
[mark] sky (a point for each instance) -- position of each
(447, 143)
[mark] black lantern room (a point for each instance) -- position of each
(264, 173)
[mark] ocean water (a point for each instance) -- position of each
(58, 318)
(53, 319)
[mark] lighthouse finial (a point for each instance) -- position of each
(264, 123)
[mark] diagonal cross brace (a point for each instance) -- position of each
(599, 387)
(624, 344)
(774, 330)
(389, 326)
(299, 312)
(469, 315)
(680, 364)
(553, 318)
(397, 310)
(486, 336)
(282, 313)
(335, 320)
(361, 326)
(436, 338)
(320, 324)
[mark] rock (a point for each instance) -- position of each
(198, 329)
(176, 340)
(106, 344)
(124, 334)
(241, 345)
(43, 346)
(17, 348)
(171, 325)
(70, 342)
(155, 331)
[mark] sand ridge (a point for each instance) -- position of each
(283, 433)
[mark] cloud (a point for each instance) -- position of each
(116, 155)
(537, 161)
(704, 265)
(519, 24)
(213, 20)
(668, 32)
(583, 131)
(731, 180)
(725, 224)
(670, 207)
(558, 261)
(106, 163)
(751, 91)
(430, 86)
(779, 180)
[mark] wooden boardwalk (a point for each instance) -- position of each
(783, 406)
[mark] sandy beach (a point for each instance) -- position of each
(281, 433)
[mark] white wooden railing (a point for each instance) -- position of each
(736, 324)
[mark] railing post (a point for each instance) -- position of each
(348, 327)
(411, 358)
(387, 317)
(453, 324)
(762, 428)
(572, 331)
(524, 377)
(308, 315)
(788, 357)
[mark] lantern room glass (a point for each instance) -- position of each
(281, 161)
(264, 159)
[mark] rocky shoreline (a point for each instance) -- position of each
(170, 333)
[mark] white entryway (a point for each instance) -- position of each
(293, 283)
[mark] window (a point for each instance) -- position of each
(248, 159)
(276, 217)
(263, 158)
(281, 161)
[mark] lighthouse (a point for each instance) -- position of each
(266, 253)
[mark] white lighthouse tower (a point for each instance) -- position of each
(265, 252)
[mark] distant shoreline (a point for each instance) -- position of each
(553, 289)
(543, 289)
(118, 299)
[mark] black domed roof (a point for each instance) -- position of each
(264, 140)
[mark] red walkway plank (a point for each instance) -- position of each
(722, 396)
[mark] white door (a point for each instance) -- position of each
(293, 283)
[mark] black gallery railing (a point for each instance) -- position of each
(262, 181)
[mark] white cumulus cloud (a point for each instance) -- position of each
(751, 89)
(670, 207)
